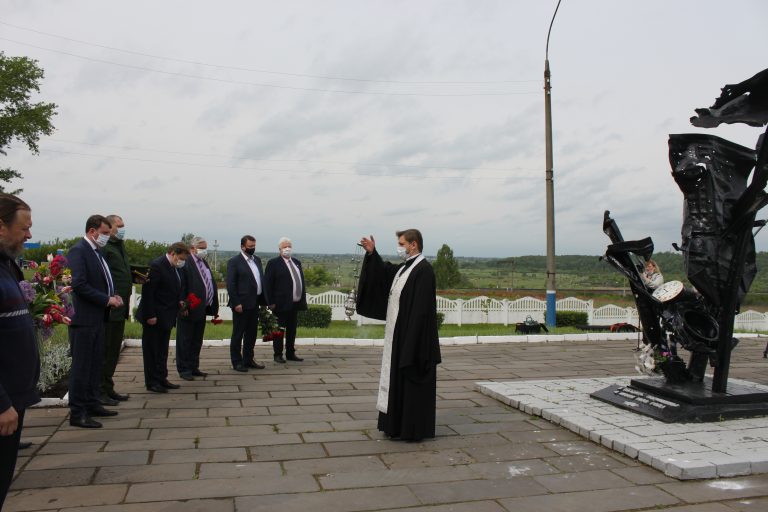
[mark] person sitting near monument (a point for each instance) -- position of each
(651, 275)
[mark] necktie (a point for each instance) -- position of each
(296, 282)
(206, 281)
(107, 275)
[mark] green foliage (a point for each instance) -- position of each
(140, 252)
(187, 238)
(446, 268)
(316, 316)
(19, 118)
(317, 276)
(55, 360)
(440, 319)
(570, 318)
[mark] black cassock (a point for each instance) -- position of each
(415, 347)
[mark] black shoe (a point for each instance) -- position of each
(23, 445)
(169, 385)
(114, 395)
(105, 400)
(101, 412)
(240, 367)
(254, 364)
(279, 359)
(186, 376)
(84, 422)
(157, 388)
(294, 358)
(198, 373)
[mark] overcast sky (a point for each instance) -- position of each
(327, 120)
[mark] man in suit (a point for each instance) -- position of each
(93, 293)
(245, 285)
(191, 326)
(161, 299)
(286, 295)
(19, 360)
(114, 327)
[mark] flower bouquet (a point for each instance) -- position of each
(191, 302)
(50, 303)
(269, 327)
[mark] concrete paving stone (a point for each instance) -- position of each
(369, 425)
(299, 393)
(749, 505)
(347, 448)
(582, 481)
(257, 438)
(333, 400)
(89, 435)
(355, 500)
(703, 507)
(296, 428)
(240, 395)
(200, 455)
(88, 460)
(353, 392)
(423, 459)
(62, 497)
(288, 452)
(506, 452)
(145, 473)
(53, 478)
(299, 409)
(475, 490)
(328, 437)
(584, 462)
(574, 447)
(216, 505)
(540, 436)
(193, 404)
(642, 475)
(269, 402)
(323, 387)
(510, 415)
(474, 506)
(511, 469)
(53, 448)
(41, 431)
(483, 428)
(391, 477)
(719, 490)
(219, 488)
(233, 412)
(334, 465)
(240, 470)
(363, 415)
(204, 432)
(183, 422)
(278, 419)
(41, 421)
(157, 444)
(186, 413)
(629, 498)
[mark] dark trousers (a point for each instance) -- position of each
(87, 346)
(189, 341)
(9, 451)
(113, 339)
(288, 320)
(154, 349)
(244, 329)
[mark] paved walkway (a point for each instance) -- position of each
(302, 437)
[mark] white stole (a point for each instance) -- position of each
(393, 309)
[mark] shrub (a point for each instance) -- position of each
(440, 319)
(55, 362)
(570, 318)
(317, 315)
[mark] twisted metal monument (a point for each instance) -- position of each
(720, 207)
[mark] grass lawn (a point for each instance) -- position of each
(344, 329)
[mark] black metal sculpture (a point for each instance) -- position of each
(719, 215)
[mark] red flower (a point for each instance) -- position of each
(216, 321)
(193, 301)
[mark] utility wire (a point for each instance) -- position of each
(258, 84)
(323, 162)
(265, 71)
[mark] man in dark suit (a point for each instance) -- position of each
(161, 299)
(93, 293)
(191, 326)
(245, 285)
(286, 295)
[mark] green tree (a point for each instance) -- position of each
(187, 238)
(317, 276)
(21, 119)
(446, 268)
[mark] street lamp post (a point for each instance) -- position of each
(549, 181)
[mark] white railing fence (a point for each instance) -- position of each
(482, 310)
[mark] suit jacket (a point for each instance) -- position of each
(90, 290)
(117, 259)
(160, 295)
(279, 285)
(241, 285)
(194, 283)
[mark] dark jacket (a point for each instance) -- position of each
(114, 253)
(161, 294)
(241, 285)
(279, 285)
(194, 284)
(19, 359)
(90, 290)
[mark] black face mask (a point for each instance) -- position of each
(250, 252)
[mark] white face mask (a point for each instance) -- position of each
(120, 233)
(202, 253)
(286, 252)
(101, 240)
(181, 263)
(401, 253)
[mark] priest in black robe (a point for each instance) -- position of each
(405, 296)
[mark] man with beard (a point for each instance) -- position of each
(19, 360)
(404, 296)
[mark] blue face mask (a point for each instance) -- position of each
(120, 233)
